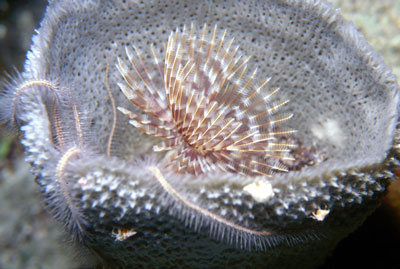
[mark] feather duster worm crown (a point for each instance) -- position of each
(206, 105)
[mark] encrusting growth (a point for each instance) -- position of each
(207, 106)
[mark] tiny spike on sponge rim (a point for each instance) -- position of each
(206, 105)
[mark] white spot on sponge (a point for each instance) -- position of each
(320, 214)
(261, 191)
(329, 129)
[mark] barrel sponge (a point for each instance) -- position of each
(102, 179)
